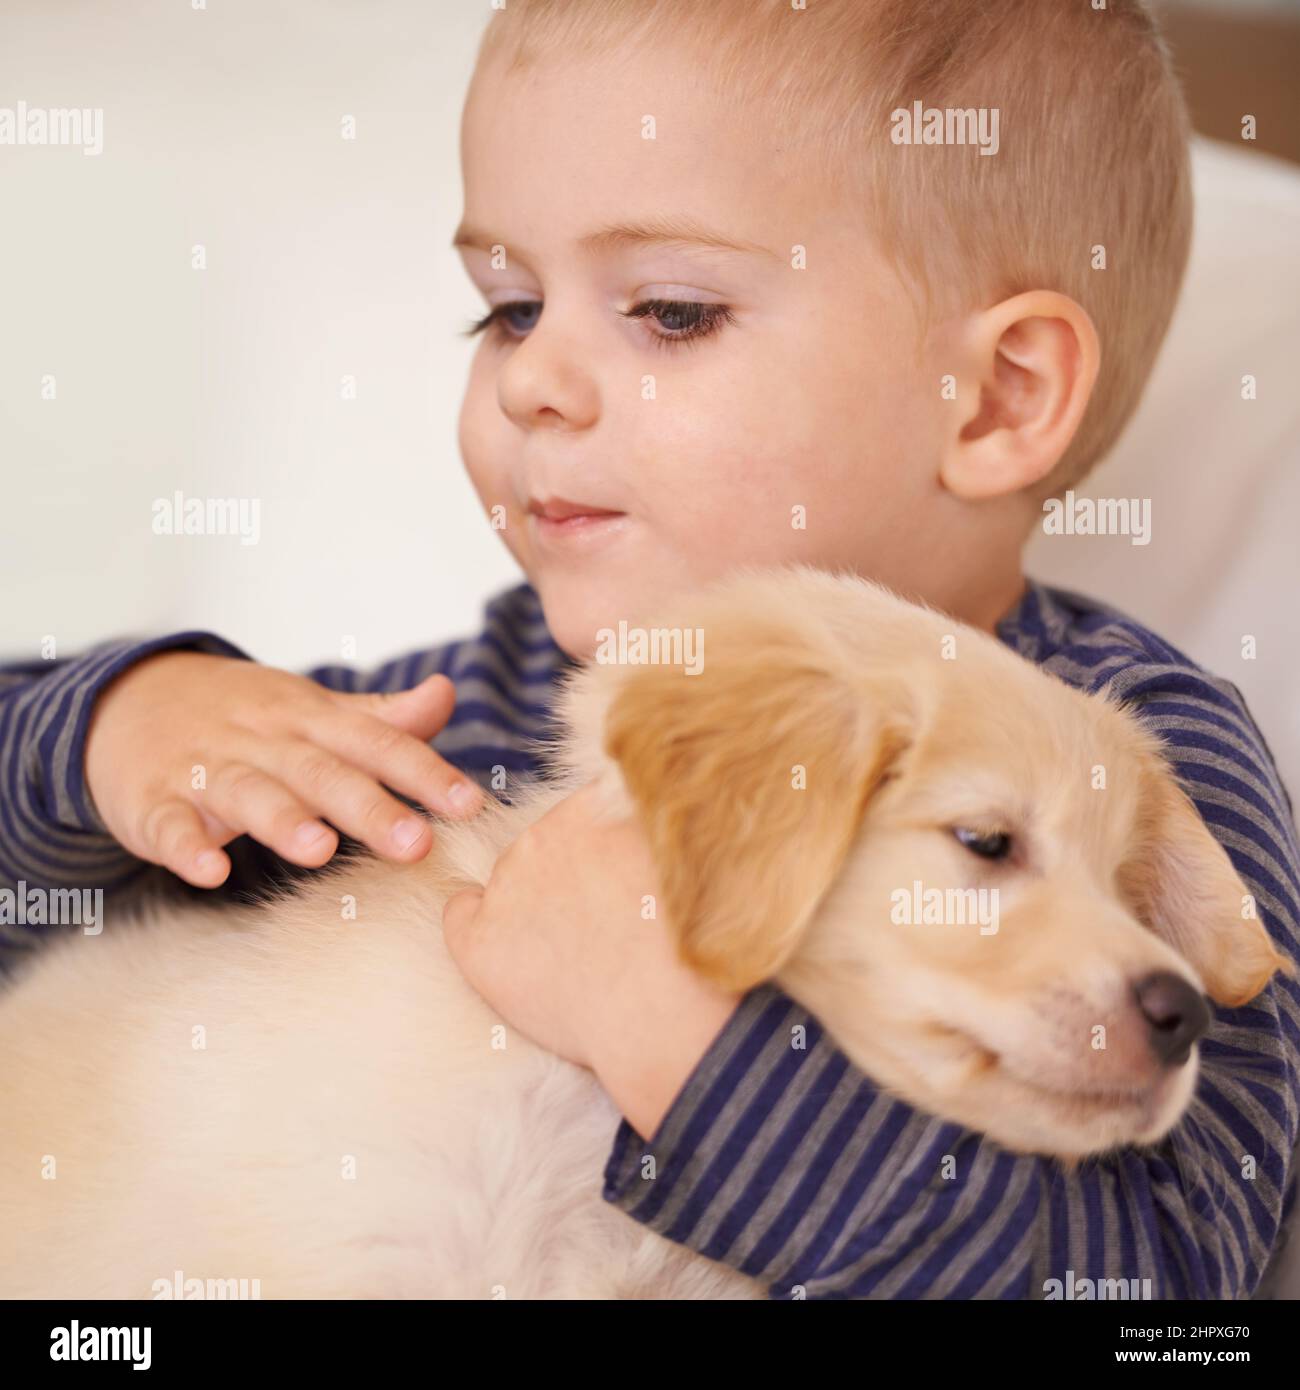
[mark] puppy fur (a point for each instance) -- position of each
(282, 1093)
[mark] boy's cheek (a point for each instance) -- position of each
(481, 446)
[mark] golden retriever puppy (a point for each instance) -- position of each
(986, 884)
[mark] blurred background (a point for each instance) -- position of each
(327, 259)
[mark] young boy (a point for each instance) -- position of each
(790, 313)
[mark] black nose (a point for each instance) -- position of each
(1176, 1015)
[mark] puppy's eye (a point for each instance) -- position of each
(995, 846)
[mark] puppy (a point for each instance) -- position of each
(985, 884)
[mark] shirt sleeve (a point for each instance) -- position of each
(783, 1161)
(51, 833)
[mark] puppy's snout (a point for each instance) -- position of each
(1175, 1013)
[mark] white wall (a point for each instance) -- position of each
(325, 258)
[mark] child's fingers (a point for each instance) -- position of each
(352, 801)
(251, 801)
(420, 711)
(175, 837)
(400, 761)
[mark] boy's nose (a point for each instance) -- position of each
(1176, 1015)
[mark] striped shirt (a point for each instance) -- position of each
(790, 1164)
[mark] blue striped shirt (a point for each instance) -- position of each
(786, 1162)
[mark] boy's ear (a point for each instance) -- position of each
(1188, 893)
(750, 779)
(1025, 374)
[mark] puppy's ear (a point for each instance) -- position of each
(1187, 891)
(750, 779)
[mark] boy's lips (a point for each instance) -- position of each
(559, 521)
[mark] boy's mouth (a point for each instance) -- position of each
(558, 519)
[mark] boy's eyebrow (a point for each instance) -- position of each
(657, 231)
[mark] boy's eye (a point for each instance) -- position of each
(678, 320)
(681, 320)
(528, 309)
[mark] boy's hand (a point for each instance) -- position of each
(277, 751)
(559, 947)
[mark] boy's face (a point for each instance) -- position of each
(803, 426)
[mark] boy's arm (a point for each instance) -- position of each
(792, 1166)
(52, 836)
(51, 833)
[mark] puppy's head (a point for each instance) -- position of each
(987, 885)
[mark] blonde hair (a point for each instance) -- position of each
(1092, 144)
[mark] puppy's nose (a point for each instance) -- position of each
(1176, 1015)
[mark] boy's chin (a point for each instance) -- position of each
(577, 610)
